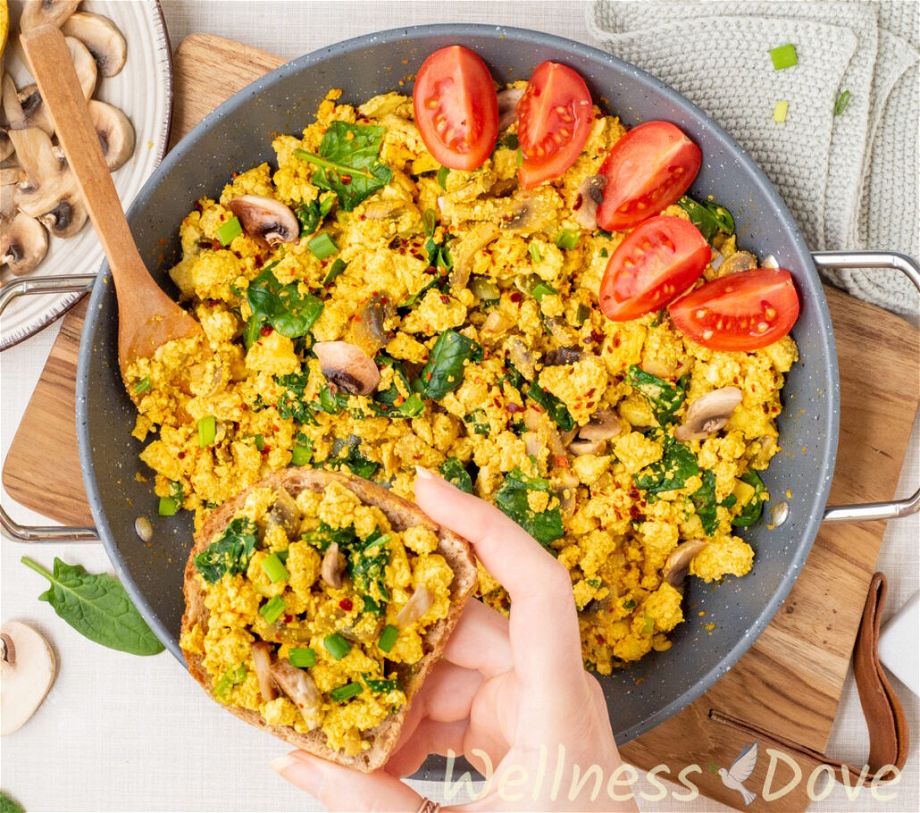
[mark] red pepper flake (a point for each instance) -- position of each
(616, 341)
(445, 299)
(634, 512)
(561, 461)
(181, 455)
(276, 428)
(234, 174)
(288, 618)
(265, 450)
(516, 296)
(431, 270)
(753, 388)
(597, 336)
(198, 207)
(267, 330)
(215, 245)
(634, 493)
(514, 408)
(578, 201)
(346, 179)
(346, 605)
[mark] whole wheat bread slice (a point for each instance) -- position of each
(401, 514)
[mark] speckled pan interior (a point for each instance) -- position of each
(238, 135)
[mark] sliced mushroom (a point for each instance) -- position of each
(566, 489)
(9, 176)
(464, 250)
(348, 367)
(417, 605)
(678, 564)
(301, 690)
(46, 12)
(26, 674)
(67, 217)
(266, 219)
(6, 146)
(369, 329)
(563, 355)
(529, 212)
(285, 513)
(739, 261)
(521, 357)
(23, 244)
(333, 566)
(33, 108)
(708, 414)
(102, 37)
(507, 106)
(592, 438)
(495, 324)
(385, 209)
(262, 661)
(590, 195)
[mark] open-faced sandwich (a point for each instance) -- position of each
(316, 603)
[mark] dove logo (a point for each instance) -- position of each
(740, 771)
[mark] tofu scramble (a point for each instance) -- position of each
(322, 598)
(413, 315)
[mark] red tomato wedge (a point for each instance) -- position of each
(554, 122)
(647, 170)
(742, 311)
(655, 263)
(456, 108)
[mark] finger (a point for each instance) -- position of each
(429, 737)
(544, 624)
(480, 640)
(341, 788)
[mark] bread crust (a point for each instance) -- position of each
(402, 514)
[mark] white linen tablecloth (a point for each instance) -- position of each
(124, 733)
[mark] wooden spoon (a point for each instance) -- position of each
(147, 317)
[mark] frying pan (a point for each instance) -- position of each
(238, 135)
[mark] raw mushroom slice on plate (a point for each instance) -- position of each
(103, 39)
(23, 244)
(26, 674)
(46, 12)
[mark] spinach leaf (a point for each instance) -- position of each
(284, 307)
(665, 398)
(8, 805)
(704, 500)
(367, 565)
(453, 471)
(335, 269)
(511, 498)
(230, 554)
(348, 162)
(323, 536)
(309, 217)
(390, 402)
(557, 410)
(754, 507)
(291, 403)
(332, 402)
(675, 467)
(439, 254)
(358, 463)
(443, 372)
(478, 422)
(97, 606)
(710, 218)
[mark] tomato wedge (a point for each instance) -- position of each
(554, 121)
(456, 108)
(647, 170)
(655, 263)
(742, 311)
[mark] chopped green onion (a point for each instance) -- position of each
(273, 568)
(342, 693)
(337, 646)
(207, 431)
(541, 289)
(259, 442)
(567, 239)
(302, 657)
(337, 268)
(229, 231)
(443, 172)
(142, 386)
(168, 506)
(519, 158)
(272, 609)
(780, 109)
(535, 255)
(429, 221)
(388, 637)
(380, 685)
(784, 56)
(648, 626)
(322, 246)
(326, 204)
(843, 101)
(301, 455)
(604, 252)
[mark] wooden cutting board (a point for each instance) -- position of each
(789, 684)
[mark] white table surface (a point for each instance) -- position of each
(124, 733)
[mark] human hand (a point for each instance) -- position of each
(511, 695)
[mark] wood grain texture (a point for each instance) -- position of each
(790, 682)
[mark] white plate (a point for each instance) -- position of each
(143, 89)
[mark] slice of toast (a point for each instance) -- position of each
(402, 514)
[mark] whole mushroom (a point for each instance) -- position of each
(266, 219)
(708, 414)
(26, 674)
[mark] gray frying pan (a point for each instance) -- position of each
(238, 135)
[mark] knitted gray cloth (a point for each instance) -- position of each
(851, 180)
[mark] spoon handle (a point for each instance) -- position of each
(52, 67)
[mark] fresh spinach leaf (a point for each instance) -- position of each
(754, 507)
(453, 471)
(511, 498)
(284, 307)
(710, 218)
(704, 500)
(230, 554)
(675, 467)
(367, 563)
(97, 606)
(665, 398)
(8, 805)
(557, 410)
(348, 162)
(443, 372)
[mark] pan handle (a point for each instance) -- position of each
(9, 292)
(832, 260)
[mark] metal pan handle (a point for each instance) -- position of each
(9, 292)
(833, 260)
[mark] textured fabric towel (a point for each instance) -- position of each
(850, 179)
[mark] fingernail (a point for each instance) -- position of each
(299, 771)
(424, 474)
(280, 764)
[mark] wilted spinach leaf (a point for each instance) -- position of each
(478, 421)
(367, 563)
(309, 217)
(708, 217)
(391, 402)
(291, 402)
(348, 162)
(443, 371)
(665, 398)
(323, 536)
(284, 307)
(675, 467)
(357, 463)
(511, 498)
(557, 410)
(230, 554)
(704, 500)
(754, 507)
(453, 471)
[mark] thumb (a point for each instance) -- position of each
(340, 788)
